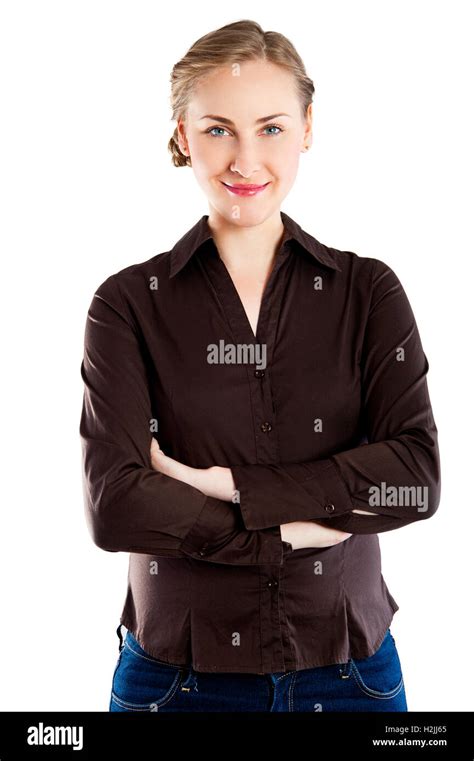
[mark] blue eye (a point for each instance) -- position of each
(274, 126)
(213, 128)
(269, 126)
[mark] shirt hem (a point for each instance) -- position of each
(299, 665)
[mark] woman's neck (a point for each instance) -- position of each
(247, 250)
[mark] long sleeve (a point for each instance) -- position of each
(129, 506)
(396, 474)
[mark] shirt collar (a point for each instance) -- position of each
(183, 250)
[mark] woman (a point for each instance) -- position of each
(255, 412)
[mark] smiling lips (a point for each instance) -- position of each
(244, 189)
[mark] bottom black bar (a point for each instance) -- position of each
(374, 735)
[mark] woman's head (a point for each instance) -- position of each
(242, 75)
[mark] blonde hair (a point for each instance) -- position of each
(237, 42)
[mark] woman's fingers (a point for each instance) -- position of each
(335, 537)
(303, 534)
(327, 537)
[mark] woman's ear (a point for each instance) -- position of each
(308, 129)
(182, 141)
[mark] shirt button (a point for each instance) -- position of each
(329, 508)
(203, 549)
(272, 583)
(266, 427)
(259, 373)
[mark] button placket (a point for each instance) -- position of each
(267, 450)
(263, 415)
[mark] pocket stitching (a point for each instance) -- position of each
(146, 706)
(375, 693)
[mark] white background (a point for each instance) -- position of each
(87, 188)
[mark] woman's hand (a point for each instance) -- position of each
(218, 482)
(170, 467)
(302, 534)
(213, 482)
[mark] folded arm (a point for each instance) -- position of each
(396, 475)
(129, 506)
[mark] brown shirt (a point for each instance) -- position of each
(324, 411)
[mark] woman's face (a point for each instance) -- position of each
(230, 144)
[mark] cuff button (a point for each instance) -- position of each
(329, 508)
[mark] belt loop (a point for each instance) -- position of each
(119, 634)
(345, 669)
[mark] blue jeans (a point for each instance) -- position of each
(143, 683)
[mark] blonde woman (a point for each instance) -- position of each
(255, 412)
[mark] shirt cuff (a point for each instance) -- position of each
(218, 535)
(274, 494)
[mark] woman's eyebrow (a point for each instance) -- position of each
(231, 123)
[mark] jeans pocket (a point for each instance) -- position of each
(141, 682)
(380, 675)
